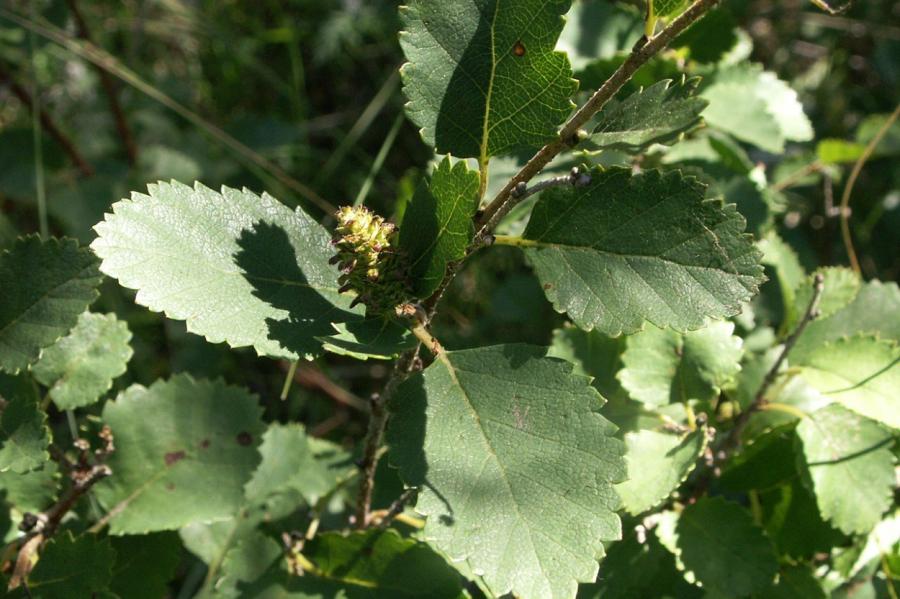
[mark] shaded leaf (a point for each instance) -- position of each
(376, 564)
(184, 450)
(437, 225)
(483, 77)
(663, 366)
(593, 354)
(237, 267)
(657, 114)
(848, 462)
(625, 249)
(24, 436)
(794, 582)
(144, 565)
(782, 257)
(72, 567)
(377, 338)
(658, 462)
(46, 286)
(503, 439)
(81, 367)
(719, 542)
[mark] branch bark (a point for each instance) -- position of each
(569, 135)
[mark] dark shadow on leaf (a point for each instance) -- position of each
(406, 432)
(269, 263)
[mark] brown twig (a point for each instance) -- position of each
(733, 439)
(40, 527)
(396, 508)
(851, 182)
(311, 377)
(569, 135)
(377, 422)
(47, 122)
(108, 87)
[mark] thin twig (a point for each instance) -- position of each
(759, 400)
(851, 181)
(48, 124)
(643, 50)
(797, 175)
(575, 178)
(109, 88)
(377, 422)
(311, 377)
(396, 508)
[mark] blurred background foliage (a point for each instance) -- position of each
(302, 98)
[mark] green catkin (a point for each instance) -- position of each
(370, 263)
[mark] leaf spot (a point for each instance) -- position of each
(204, 444)
(174, 457)
(244, 438)
(519, 49)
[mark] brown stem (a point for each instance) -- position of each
(68, 147)
(377, 421)
(109, 89)
(569, 135)
(733, 440)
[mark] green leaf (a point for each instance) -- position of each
(793, 521)
(728, 553)
(24, 436)
(660, 113)
(852, 475)
(184, 450)
(594, 355)
(144, 565)
(663, 366)
(72, 567)
(788, 270)
(237, 267)
(873, 310)
(32, 491)
(658, 462)
(483, 77)
(46, 286)
(669, 8)
(838, 151)
(372, 564)
(81, 367)
(437, 226)
(794, 582)
(625, 249)
(293, 461)
(861, 372)
(756, 107)
(503, 439)
(377, 338)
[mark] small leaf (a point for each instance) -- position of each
(873, 311)
(46, 286)
(593, 354)
(625, 249)
(81, 367)
(437, 226)
(482, 79)
(72, 567)
(860, 372)
(377, 338)
(24, 436)
(363, 564)
(184, 450)
(788, 270)
(144, 565)
(292, 460)
(658, 463)
(657, 114)
(755, 106)
(838, 151)
(839, 287)
(849, 464)
(719, 542)
(32, 491)
(663, 366)
(237, 267)
(794, 582)
(503, 439)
